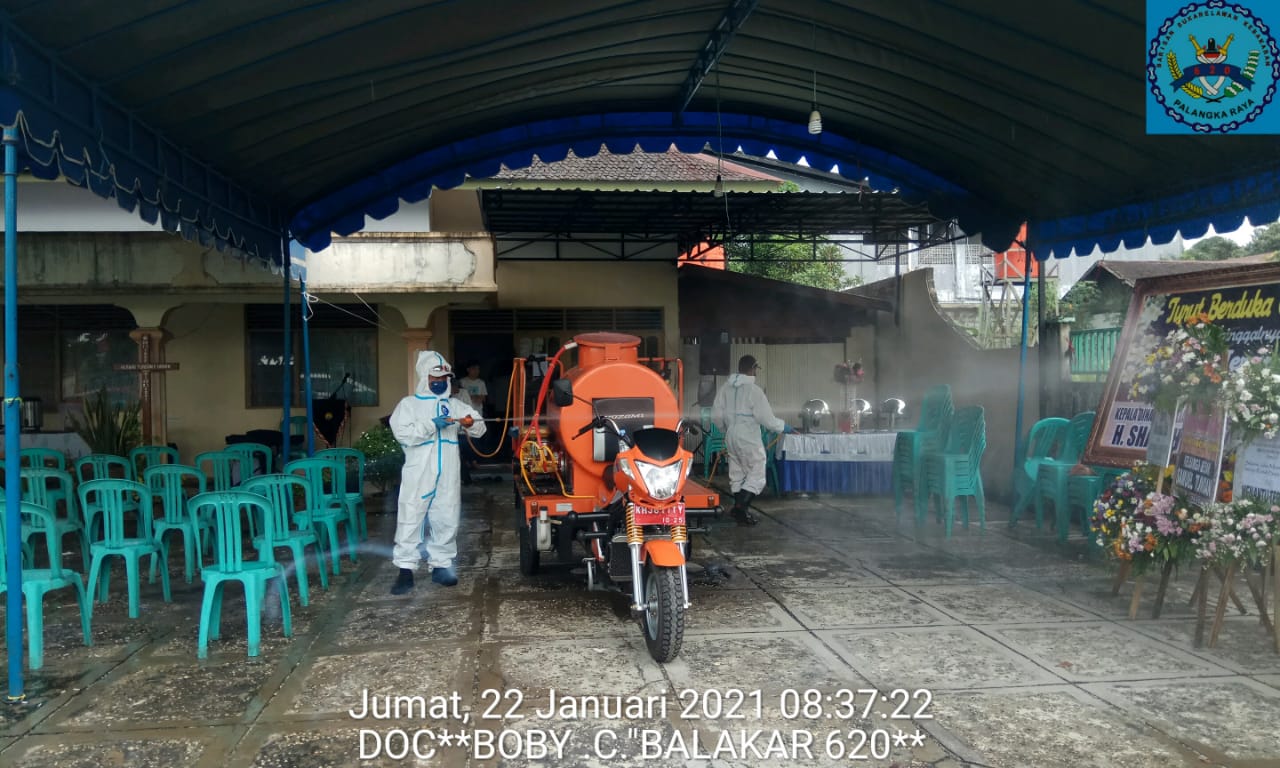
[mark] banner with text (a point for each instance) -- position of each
(1249, 312)
(1199, 461)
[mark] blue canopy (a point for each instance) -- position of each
(231, 121)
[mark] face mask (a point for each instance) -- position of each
(439, 387)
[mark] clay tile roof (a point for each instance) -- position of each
(1131, 271)
(669, 166)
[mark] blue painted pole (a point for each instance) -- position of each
(306, 370)
(1019, 449)
(12, 421)
(286, 420)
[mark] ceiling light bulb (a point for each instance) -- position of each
(815, 121)
(718, 190)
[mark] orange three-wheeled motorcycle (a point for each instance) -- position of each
(600, 462)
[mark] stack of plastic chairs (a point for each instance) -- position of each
(910, 446)
(955, 472)
(1053, 474)
(1045, 438)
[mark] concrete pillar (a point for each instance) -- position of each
(416, 340)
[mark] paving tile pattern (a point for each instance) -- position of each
(1015, 649)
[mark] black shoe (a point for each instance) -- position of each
(742, 508)
(404, 582)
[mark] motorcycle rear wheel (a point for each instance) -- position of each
(530, 557)
(663, 617)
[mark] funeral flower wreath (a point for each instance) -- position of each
(1187, 363)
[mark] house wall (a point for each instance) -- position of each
(594, 284)
(923, 350)
(456, 210)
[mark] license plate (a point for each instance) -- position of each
(673, 515)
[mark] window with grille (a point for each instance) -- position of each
(343, 341)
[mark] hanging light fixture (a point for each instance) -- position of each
(815, 117)
(718, 190)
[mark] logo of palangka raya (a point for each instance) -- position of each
(1213, 66)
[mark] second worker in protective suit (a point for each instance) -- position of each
(428, 424)
(741, 409)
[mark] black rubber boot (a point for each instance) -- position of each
(404, 582)
(742, 508)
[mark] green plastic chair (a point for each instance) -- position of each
(37, 582)
(103, 466)
(712, 444)
(910, 445)
(1045, 438)
(45, 487)
(956, 470)
(168, 483)
(112, 498)
(224, 469)
(43, 457)
(227, 509)
(291, 526)
(261, 459)
(146, 456)
(355, 461)
(1052, 475)
(329, 510)
(1084, 490)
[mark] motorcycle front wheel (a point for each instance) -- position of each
(663, 617)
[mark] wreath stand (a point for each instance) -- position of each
(1257, 589)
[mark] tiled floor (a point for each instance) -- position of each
(994, 648)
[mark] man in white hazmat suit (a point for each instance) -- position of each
(740, 409)
(428, 424)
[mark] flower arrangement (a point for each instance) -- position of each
(1239, 533)
(1135, 523)
(1189, 362)
(1253, 396)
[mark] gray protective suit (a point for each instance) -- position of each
(430, 483)
(741, 409)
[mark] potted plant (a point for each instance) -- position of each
(383, 460)
(108, 427)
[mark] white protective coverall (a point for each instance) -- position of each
(740, 409)
(430, 483)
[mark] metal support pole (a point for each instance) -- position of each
(306, 369)
(286, 421)
(1019, 448)
(1041, 348)
(12, 422)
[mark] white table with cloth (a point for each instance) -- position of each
(70, 443)
(857, 463)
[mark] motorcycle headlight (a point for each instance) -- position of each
(662, 482)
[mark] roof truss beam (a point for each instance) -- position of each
(717, 43)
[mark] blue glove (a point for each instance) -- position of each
(441, 422)
(787, 429)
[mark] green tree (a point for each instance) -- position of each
(1214, 248)
(792, 262)
(1265, 240)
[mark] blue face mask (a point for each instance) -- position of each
(439, 387)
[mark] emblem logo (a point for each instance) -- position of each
(1212, 67)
